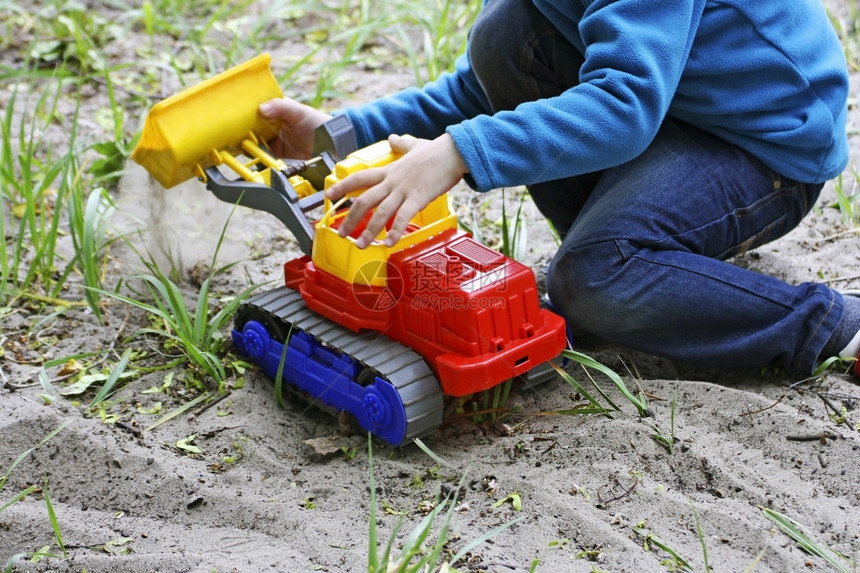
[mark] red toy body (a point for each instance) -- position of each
(471, 312)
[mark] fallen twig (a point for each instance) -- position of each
(819, 437)
(759, 411)
(208, 405)
(613, 481)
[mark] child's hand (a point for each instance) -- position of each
(296, 124)
(400, 189)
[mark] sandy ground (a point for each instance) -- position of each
(127, 499)
(258, 497)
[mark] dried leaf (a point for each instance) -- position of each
(70, 368)
(329, 445)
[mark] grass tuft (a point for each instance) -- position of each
(196, 331)
(588, 362)
(417, 552)
(799, 534)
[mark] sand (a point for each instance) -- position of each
(593, 492)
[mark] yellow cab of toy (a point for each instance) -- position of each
(340, 256)
(181, 131)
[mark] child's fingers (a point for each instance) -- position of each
(361, 204)
(402, 143)
(385, 210)
(355, 182)
(411, 205)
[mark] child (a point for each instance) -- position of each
(659, 138)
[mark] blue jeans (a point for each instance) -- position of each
(643, 260)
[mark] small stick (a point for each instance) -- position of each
(843, 279)
(614, 481)
(750, 413)
(205, 407)
(128, 428)
(811, 437)
(830, 404)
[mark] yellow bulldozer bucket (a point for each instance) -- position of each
(181, 132)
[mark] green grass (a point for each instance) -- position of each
(49, 184)
(43, 200)
(658, 436)
(651, 542)
(848, 198)
(28, 173)
(196, 331)
(506, 234)
(701, 535)
(804, 540)
(514, 232)
(587, 362)
(89, 226)
(5, 477)
(848, 30)
(61, 156)
(424, 548)
(30, 490)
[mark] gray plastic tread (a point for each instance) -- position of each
(405, 369)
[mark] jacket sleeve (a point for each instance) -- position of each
(635, 54)
(425, 112)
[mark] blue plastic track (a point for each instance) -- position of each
(328, 375)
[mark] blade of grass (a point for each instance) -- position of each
(589, 362)
(581, 411)
(26, 177)
(183, 408)
(490, 534)
(412, 545)
(372, 549)
(435, 457)
(798, 533)
(49, 393)
(279, 376)
(10, 565)
(44, 257)
(19, 497)
(88, 222)
(701, 536)
(754, 563)
(667, 441)
(20, 458)
(109, 384)
(414, 556)
(595, 405)
(651, 539)
(195, 333)
(52, 516)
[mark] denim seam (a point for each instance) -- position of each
(741, 213)
(802, 354)
(755, 240)
(650, 262)
(782, 191)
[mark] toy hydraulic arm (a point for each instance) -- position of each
(191, 135)
(272, 189)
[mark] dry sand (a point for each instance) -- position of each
(127, 499)
(259, 498)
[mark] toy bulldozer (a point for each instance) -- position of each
(382, 332)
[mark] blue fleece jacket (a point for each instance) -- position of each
(767, 75)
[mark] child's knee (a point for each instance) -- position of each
(485, 41)
(581, 282)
